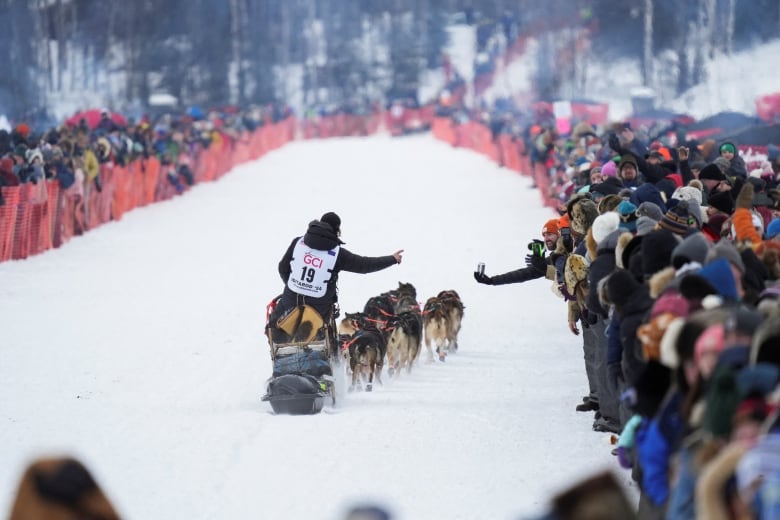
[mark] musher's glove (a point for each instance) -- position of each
(483, 278)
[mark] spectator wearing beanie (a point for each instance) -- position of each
(687, 193)
(720, 203)
(714, 180)
(694, 210)
(645, 225)
(737, 165)
(610, 186)
(651, 210)
(657, 247)
(603, 225)
(628, 171)
(628, 217)
(694, 248)
(649, 192)
(609, 169)
(595, 176)
(678, 220)
(649, 215)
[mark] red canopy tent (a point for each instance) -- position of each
(92, 117)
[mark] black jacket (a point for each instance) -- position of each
(601, 267)
(320, 236)
(517, 276)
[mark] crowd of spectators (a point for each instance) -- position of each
(72, 154)
(667, 258)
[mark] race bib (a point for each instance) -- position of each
(310, 269)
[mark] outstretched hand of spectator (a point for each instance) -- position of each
(398, 255)
(483, 278)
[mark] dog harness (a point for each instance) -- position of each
(310, 269)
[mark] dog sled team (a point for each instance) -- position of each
(305, 341)
(391, 329)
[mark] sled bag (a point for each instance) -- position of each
(312, 362)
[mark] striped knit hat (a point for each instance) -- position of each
(677, 220)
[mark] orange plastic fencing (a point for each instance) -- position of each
(508, 152)
(8, 221)
(121, 195)
(21, 244)
(443, 129)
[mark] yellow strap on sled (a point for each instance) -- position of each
(302, 323)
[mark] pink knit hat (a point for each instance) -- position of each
(609, 169)
(671, 302)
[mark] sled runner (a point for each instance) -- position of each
(302, 373)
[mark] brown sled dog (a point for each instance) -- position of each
(436, 324)
(365, 349)
(403, 345)
(453, 309)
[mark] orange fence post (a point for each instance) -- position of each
(150, 178)
(21, 245)
(121, 190)
(8, 212)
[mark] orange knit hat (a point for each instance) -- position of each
(551, 226)
(563, 221)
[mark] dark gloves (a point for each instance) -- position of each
(537, 263)
(588, 318)
(567, 240)
(536, 259)
(483, 278)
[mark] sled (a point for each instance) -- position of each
(302, 377)
(295, 394)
